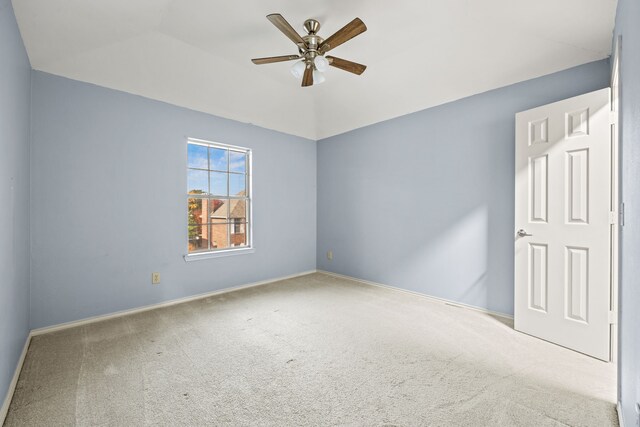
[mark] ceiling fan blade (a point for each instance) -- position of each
(344, 34)
(343, 64)
(286, 28)
(272, 59)
(307, 78)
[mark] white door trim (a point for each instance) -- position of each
(615, 195)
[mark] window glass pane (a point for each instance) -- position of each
(237, 184)
(219, 183)
(197, 156)
(217, 202)
(239, 234)
(195, 212)
(237, 162)
(238, 210)
(218, 159)
(197, 182)
(219, 236)
(198, 240)
(218, 210)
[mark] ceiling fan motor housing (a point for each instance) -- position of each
(312, 41)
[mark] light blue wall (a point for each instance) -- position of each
(15, 93)
(628, 26)
(425, 202)
(108, 173)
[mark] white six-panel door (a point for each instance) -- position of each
(562, 236)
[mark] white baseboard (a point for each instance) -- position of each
(14, 381)
(620, 417)
(418, 294)
(73, 324)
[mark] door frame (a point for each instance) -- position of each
(616, 92)
(616, 207)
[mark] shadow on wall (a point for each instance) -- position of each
(434, 216)
(465, 243)
(434, 246)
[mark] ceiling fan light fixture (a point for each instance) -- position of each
(310, 60)
(298, 69)
(318, 77)
(321, 63)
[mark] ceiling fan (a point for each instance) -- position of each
(312, 49)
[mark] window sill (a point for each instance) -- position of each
(218, 254)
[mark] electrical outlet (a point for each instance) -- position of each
(155, 278)
(329, 255)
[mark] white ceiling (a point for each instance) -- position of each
(196, 53)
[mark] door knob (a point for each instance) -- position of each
(522, 233)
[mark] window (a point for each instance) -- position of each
(218, 197)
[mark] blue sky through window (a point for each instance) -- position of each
(197, 156)
(219, 183)
(238, 162)
(218, 159)
(223, 171)
(236, 184)
(198, 181)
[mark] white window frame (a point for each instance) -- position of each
(231, 250)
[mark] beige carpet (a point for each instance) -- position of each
(315, 350)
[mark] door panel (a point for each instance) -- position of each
(562, 278)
